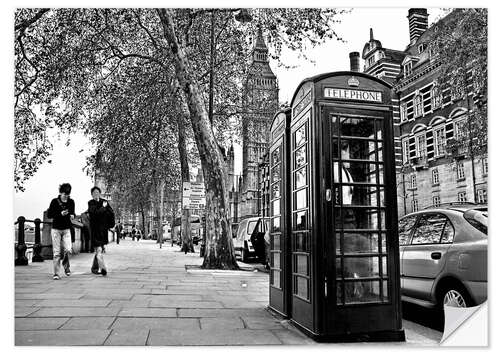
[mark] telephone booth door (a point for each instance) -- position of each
(360, 292)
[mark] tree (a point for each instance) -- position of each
(299, 25)
(460, 42)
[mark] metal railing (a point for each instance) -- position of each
(21, 246)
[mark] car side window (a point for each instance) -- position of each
(405, 227)
(448, 233)
(429, 229)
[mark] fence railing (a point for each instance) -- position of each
(21, 246)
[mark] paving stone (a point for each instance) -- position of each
(49, 296)
(129, 303)
(289, 337)
(26, 303)
(76, 311)
(128, 323)
(88, 323)
(268, 323)
(105, 295)
(154, 302)
(73, 303)
(214, 337)
(39, 323)
(208, 323)
(127, 338)
(167, 297)
(24, 311)
(222, 312)
(147, 312)
(61, 338)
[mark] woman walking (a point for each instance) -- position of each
(101, 219)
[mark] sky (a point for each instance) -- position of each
(390, 26)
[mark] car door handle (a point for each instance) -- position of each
(436, 255)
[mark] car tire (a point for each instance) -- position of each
(244, 255)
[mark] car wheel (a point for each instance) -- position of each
(455, 297)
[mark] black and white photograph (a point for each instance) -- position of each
(247, 175)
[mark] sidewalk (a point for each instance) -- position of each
(149, 298)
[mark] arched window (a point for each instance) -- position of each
(418, 107)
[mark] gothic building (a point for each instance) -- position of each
(426, 119)
(260, 103)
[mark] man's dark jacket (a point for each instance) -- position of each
(56, 207)
(101, 219)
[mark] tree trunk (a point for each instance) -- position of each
(144, 227)
(219, 253)
(186, 238)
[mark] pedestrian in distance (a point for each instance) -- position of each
(61, 210)
(102, 218)
(118, 229)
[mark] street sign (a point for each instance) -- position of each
(193, 195)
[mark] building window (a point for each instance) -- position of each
(482, 196)
(414, 205)
(436, 98)
(371, 60)
(457, 92)
(460, 129)
(405, 143)
(418, 106)
(404, 112)
(407, 68)
(460, 171)
(413, 181)
(421, 146)
(435, 177)
(436, 201)
(484, 164)
(462, 197)
(421, 48)
(440, 141)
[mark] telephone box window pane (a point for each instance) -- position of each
(276, 224)
(384, 267)
(276, 173)
(360, 243)
(276, 279)
(385, 294)
(382, 196)
(384, 242)
(359, 150)
(302, 287)
(276, 239)
(301, 242)
(335, 149)
(335, 126)
(339, 293)
(361, 172)
(300, 136)
(302, 264)
(276, 207)
(300, 220)
(276, 190)
(362, 292)
(300, 156)
(276, 156)
(301, 199)
(276, 262)
(361, 267)
(361, 218)
(379, 129)
(382, 219)
(338, 268)
(337, 244)
(300, 177)
(357, 195)
(359, 127)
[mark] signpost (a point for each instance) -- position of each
(193, 195)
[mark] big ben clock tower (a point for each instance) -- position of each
(260, 103)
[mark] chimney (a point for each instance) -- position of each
(354, 57)
(417, 20)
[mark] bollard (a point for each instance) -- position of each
(21, 246)
(37, 247)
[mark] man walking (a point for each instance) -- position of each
(61, 210)
(102, 218)
(119, 229)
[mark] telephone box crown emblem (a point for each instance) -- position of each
(353, 82)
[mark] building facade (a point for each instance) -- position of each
(426, 120)
(260, 103)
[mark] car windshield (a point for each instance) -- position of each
(478, 219)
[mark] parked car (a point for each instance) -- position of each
(243, 242)
(196, 229)
(443, 255)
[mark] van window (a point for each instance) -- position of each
(405, 227)
(429, 229)
(251, 226)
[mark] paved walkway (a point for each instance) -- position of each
(150, 298)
